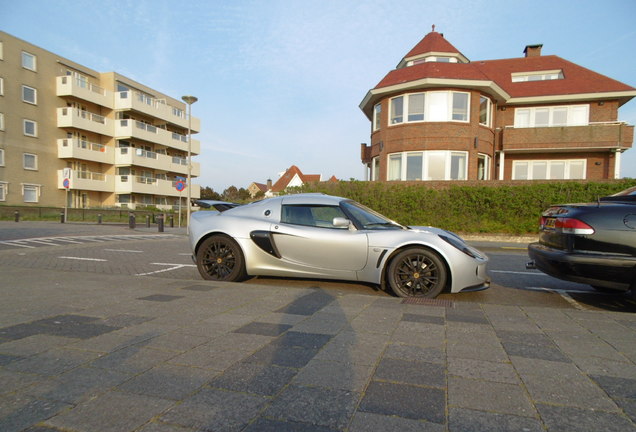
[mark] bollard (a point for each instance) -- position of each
(160, 222)
(61, 217)
(131, 220)
(17, 216)
(99, 218)
(147, 221)
(171, 221)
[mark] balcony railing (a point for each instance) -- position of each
(74, 148)
(74, 86)
(601, 135)
(155, 107)
(82, 119)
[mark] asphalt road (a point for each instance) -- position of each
(144, 252)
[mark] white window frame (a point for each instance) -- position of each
(375, 168)
(488, 111)
(26, 65)
(377, 114)
(34, 187)
(550, 165)
(487, 165)
(35, 127)
(1, 86)
(1, 50)
(434, 101)
(1, 121)
(1, 157)
(401, 160)
(537, 76)
(573, 111)
(35, 95)
(35, 161)
(4, 190)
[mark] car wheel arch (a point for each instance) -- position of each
(384, 281)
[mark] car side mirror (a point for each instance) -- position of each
(340, 222)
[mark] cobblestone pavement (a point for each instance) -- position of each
(102, 351)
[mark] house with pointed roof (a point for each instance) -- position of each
(291, 177)
(439, 116)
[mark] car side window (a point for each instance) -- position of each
(312, 215)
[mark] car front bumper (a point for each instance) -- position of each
(603, 270)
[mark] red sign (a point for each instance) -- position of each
(179, 185)
(66, 183)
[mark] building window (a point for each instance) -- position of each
(4, 189)
(30, 128)
(483, 167)
(485, 108)
(29, 61)
(433, 106)
(1, 86)
(1, 51)
(537, 76)
(397, 110)
(1, 157)
(460, 107)
(30, 192)
(29, 95)
(1, 121)
(29, 161)
(428, 165)
(377, 111)
(569, 115)
(375, 169)
(573, 169)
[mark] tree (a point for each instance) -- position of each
(208, 193)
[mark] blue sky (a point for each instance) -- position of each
(279, 81)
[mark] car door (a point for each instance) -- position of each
(307, 236)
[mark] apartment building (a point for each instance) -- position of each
(439, 116)
(71, 135)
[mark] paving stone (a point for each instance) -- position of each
(308, 304)
(431, 336)
(415, 353)
(176, 341)
(264, 329)
(466, 420)
(332, 408)
(333, 374)
(485, 370)
(267, 425)
(5, 359)
(168, 381)
(52, 362)
(570, 419)
(322, 323)
(125, 320)
(617, 387)
(160, 298)
(216, 410)
(132, 359)
(114, 341)
(473, 316)
(163, 427)
(404, 400)
(111, 412)
(256, 378)
(411, 372)
(203, 288)
(305, 340)
(280, 354)
(369, 422)
(536, 351)
(489, 396)
(411, 317)
(17, 414)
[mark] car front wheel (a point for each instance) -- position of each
(220, 258)
(417, 272)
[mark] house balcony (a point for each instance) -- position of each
(81, 119)
(127, 184)
(139, 157)
(132, 100)
(128, 128)
(86, 181)
(73, 148)
(593, 137)
(81, 89)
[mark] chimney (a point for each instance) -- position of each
(269, 184)
(533, 50)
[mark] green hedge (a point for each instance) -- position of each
(508, 209)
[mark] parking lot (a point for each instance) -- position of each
(97, 320)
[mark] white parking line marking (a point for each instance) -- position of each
(559, 291)
(174, 267)
(124, 250)
(82, 259)
(573, 302)
(13, 243)
(518, 272)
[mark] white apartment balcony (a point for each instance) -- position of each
(126, 184)
(85, 120)
(86, 181)
(128, 128)
(132, 100)
(73, 148)
(81, 89)
(158, 161)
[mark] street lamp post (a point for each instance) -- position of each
(189, 100)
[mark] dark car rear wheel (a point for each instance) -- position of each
(417, 272)
(220, 258)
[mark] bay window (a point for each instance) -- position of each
(428, 165)
(432, 106)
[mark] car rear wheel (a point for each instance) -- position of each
(417, 272)
(220, 258)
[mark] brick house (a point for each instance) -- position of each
(439, 116)
(291, 177)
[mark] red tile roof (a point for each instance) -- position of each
(282, 183)
(432, 42)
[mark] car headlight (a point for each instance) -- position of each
(459, 244)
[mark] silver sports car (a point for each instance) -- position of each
(327, 237)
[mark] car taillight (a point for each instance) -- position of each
(573, 226)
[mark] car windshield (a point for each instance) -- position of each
(365, 218)
(626, 195)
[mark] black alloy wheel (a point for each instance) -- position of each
(220, 258)
(417, 272)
